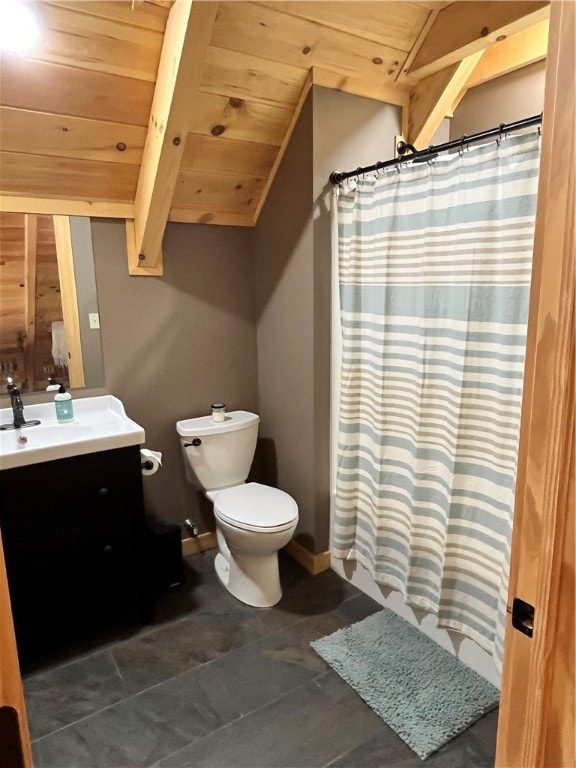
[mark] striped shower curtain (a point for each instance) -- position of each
(434, 268)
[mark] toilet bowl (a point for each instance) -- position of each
(253, 521)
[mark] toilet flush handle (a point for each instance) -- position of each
(195, 442)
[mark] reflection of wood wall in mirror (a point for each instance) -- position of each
(30, 299)
(67, 275)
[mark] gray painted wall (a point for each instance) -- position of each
(176, 344)
(292, 282)
(81, 236)
(349, 131)
(510, 97)
(284, 290)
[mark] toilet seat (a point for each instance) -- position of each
(256, 507)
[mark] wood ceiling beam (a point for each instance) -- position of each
(189, 215)
(432, 98)
(404, 69)
(63, 207)
(370, 88)
(462, 29)
(187, 36)
(517, 51)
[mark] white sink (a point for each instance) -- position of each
(100, 424)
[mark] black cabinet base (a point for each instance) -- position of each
(63, 636)
(75, 544)
(164, 555)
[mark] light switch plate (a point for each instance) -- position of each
(94, 320)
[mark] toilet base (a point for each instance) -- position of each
(222, 569)
(254, 580)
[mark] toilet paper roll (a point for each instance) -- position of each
(150, 461)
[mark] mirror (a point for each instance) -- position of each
(49, 321)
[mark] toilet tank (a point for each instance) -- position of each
(223, 456)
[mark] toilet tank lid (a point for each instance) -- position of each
(204, 425)
(256, 505)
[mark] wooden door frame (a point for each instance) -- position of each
(14, 736)
(536, 727)
(68, 294)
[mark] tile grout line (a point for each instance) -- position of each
(106, 649)
(139, 634)
(244, 715)
(173, 677)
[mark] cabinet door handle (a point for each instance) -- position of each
(103, 491)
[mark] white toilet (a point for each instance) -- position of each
(253, 521)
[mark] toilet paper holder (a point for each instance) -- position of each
(150, 461)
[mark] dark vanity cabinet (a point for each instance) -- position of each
(74, 540)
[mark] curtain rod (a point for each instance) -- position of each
(432, 151)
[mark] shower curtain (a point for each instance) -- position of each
(434, 265)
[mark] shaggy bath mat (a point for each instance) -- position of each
(419, 689)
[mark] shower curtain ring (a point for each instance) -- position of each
(462, 147)
(500, 134)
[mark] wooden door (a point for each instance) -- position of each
(537, 726)
(15, 748)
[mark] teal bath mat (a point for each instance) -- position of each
(420, 690)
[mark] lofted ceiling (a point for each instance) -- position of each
(178, 111)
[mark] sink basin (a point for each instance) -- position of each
(100, 424)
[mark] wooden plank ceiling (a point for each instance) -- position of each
(155, 111)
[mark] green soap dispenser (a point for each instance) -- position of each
(63, 404)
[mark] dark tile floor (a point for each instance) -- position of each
(216, 683)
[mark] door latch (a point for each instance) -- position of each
(523, 616)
